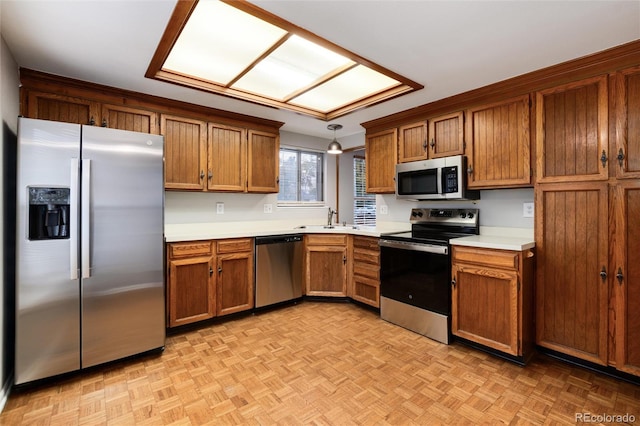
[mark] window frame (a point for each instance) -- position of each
(320, 180)
(362, 198)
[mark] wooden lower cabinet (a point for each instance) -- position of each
(235, 281)
(190, 282)
(492, 298)
(365, 274)
(206, 279)
(325, 258)
(572, 290)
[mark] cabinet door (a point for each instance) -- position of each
(133, 119)
(572, 132)
(627, 280)
(185, 152)
(499, 152)
(235, 283)
(326, 271)
(412, 142)
(485, 307)
(627, 101)
(263, 162)
(191, 290)
(446, 135)
(49, 106)
(226, 158)
(571, 294)
(380, 157)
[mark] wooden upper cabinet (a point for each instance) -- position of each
(126, 118)
(626, 159)
(446, 135)
(572, 132)
(226, 158)
(573, 273)
(412, 142)
(50, 106)
(499, 151)
(185, 152)
(626, 282)
(263, 162)
(381, 155)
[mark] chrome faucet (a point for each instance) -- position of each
(330, 216)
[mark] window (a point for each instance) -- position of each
(364, 205)
(301, 176)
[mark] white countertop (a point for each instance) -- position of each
(217, 230)
(499, 238)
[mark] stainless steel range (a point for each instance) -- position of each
(415, 283)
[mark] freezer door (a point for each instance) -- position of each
(47, 288)
(122, 252)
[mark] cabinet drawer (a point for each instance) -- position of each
(365, 243)
(497, 258)
(366, 270)
(367, 256)
(234, 245)
(187, 249)
(326, 239)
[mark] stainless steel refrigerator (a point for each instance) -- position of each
(89, 247)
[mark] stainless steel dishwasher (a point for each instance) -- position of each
(278, 269)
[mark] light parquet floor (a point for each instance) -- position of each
(321, 364)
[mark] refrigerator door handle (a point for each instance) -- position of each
(85, 219)
(73, 219)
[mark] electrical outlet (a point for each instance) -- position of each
(268, 208)
(384, 209)
(527, 209)
(219, 208)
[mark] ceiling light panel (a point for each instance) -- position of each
(219, 42)
(234, 48)
(348, 87)
(296, 64)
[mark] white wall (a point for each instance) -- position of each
(200, 207)
(498, 207)
(9, 108)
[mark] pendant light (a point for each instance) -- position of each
(334, 146)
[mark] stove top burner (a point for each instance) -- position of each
(440, 225)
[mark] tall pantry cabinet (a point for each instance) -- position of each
(587, 196)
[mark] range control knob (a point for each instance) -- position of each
(470, 215)
(463, 215)
(419, 213)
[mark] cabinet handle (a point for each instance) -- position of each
(104, 122)
(433, 143)
(603, 274)
(619, 276)
(92, 121)
(210, 271)
(424, 145)
(453, 282)
(210, 174)
(277, 180)
(219, 269)
(470, 169)
(603, 158)
(620, 157)
(344, 259)
(201, 174)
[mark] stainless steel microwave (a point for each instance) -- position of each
(436, 179)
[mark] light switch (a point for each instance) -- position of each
(527, 209)
(268, 208)
(219, 208)
(384, 209)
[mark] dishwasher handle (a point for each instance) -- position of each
(278, 239)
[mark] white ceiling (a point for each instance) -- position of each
(448, 46)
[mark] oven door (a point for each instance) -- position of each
(415, 287)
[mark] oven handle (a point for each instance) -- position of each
(429, 248)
